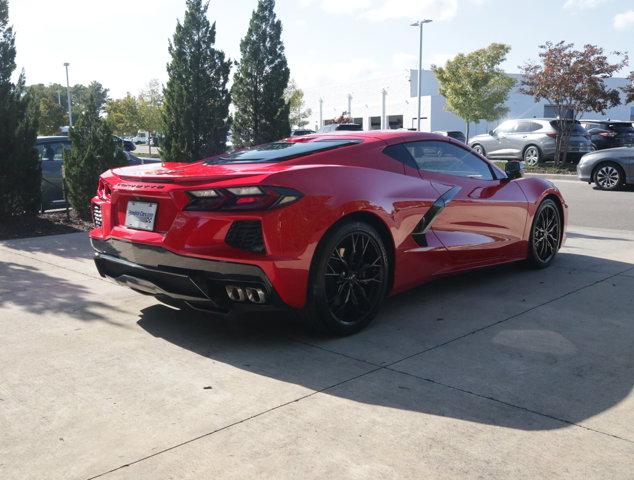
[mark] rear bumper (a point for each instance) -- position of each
(182, 280)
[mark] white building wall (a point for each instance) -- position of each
(401, 99)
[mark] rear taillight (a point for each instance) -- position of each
(608, 134)
(552, 135)
(103, 190)
(241, 198)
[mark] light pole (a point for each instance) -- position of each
(70, 111)
(420, 24)
(321, 112)
(350, 105)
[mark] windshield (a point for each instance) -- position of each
(279, 151)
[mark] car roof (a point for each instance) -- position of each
(586, 120)
(55, 138)
(388, 136)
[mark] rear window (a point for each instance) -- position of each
(279, 151)
(577, 129)
(350, 127)
(622, 127)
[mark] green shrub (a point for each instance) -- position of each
(93, 151)
(20, 170)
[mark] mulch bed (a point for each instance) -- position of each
(50, 223)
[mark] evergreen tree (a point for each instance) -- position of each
(93, 151)
(196, 103)
(20, 171)
(262, 112)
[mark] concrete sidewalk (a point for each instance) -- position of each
(502, 373)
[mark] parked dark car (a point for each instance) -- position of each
(51, 153)
(609, 134)
(127, 145)
(335, 127)
(609, 169)
(532, 140)
(455, 134)
(300, 132)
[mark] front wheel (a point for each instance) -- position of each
(478, 149)
(349, 279)
(532, 156)
(608, 177)
(545, 238)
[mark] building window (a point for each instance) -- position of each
(395, 121)
(375, 123)
(550, 111)
(358, 121)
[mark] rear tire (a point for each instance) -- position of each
(608, 176)
(348, 280)
(545, 238)
(532, 156)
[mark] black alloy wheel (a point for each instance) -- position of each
(349, 279)
(545, 235)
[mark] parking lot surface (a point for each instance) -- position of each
(501, 373)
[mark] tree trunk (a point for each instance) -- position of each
(468, 124)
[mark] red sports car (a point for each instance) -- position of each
(327, 224)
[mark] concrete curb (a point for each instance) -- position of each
(553, 176)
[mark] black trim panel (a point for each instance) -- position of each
(438, 206)
(157, 257)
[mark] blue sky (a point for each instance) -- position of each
(123, 43)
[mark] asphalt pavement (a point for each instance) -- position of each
(500, 373)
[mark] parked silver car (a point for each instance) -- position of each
(609, 169)
(532, 140)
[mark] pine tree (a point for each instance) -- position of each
(196, 108)
(20, 171)
(262, 112)
(93, 152)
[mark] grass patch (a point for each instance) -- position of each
(547, 167)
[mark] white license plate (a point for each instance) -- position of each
(140, 215)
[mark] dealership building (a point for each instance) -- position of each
(391, 102)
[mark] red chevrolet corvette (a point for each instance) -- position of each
(324, 224)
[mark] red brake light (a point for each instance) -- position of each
(552, 135)
(103, 190)
(608, 134)
(241, 198)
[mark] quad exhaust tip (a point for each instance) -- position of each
(240, 294)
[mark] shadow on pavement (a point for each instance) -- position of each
(69, 246)
(40, 293)
(558, 354)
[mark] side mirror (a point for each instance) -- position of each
(514, 169)
(492, 133)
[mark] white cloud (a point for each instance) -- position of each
(583, 4)
(437, 10)
(378, 10)
(313, 73)
(624, 21)
(402, 60)
(339, 6)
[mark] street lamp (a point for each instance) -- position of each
(420, 24)
(70, 111)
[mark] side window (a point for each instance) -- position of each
(505, 127)
(449, 159)
(527, 127)
(52, 152)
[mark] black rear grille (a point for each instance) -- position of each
(246, 235)
(96, 215)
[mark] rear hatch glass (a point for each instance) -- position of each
(279, 151)
(622, 127)
(576, 130)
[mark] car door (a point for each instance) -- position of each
(483, 215)
(52, 159)
(500, 142)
